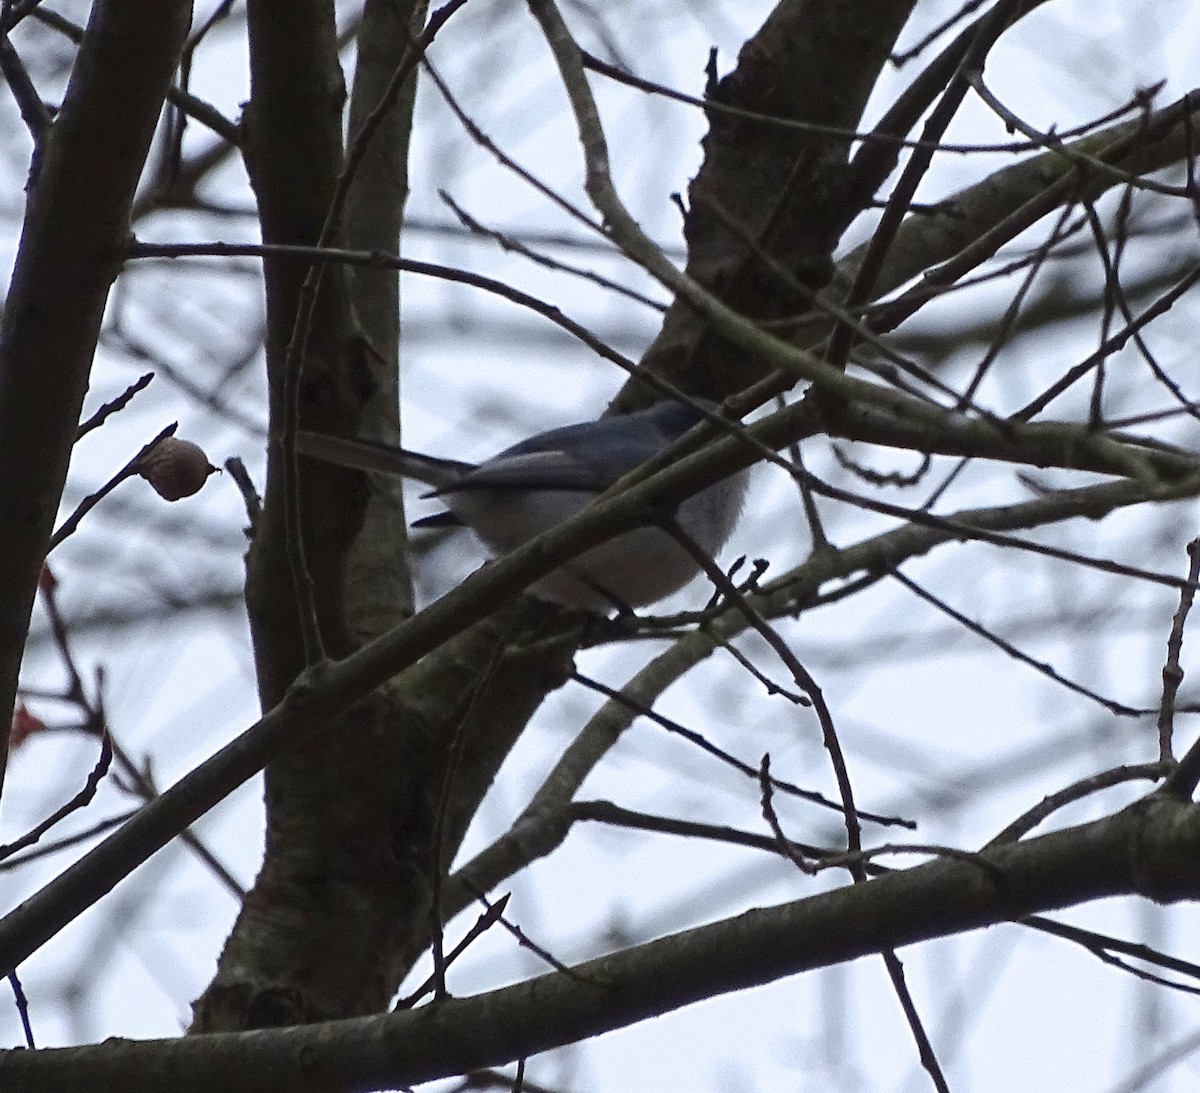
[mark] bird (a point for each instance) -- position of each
(541, 481)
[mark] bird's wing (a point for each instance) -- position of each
(588, 457)
(530, 472)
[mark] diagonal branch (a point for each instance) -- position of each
(71, 249)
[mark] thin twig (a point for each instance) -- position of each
(809, 128)
(778, 785)
(114, 405)
(799, 673)
(514, 245)
(526, 942)
(22, 1008)
(491, 915)
(782, 844)
(69, 526)
(250, 496)
(1110, 345)
(34, 114)
(1044, 667)
(1054, 142)
(454, 754)
(1103, 946)
(44, 849)
(769, 685)
(606, 812)
(1093, 783)
(987, 31)
(1172, 673)
(81, 800)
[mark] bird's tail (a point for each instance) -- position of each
(372, 455)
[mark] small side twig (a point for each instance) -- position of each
(1045, 668)
(34, 112)
(1075, 792)
(802, 677)
(491, 915)
(606, 812)
(67, 841)
(783, 844)
(22, 1008)
(1106, 947)
(250, 495)
(881, 478)
(114, 406)
(129, 776)
(526, 942)
(693, 737)
(72, 522)
(1172, 673)
(510, 243)
(771, 687)
(81, 800)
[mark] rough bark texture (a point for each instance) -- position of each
(768, 199)
(378, 583)
(327, 868)
(342, 906)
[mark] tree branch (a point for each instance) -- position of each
(1150, 849)
(71, 249)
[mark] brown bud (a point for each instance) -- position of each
(176, 468)
(24, 725)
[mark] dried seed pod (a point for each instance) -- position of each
(176, 468)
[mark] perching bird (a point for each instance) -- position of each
(537, 484)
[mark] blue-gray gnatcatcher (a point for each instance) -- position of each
(540, 482)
